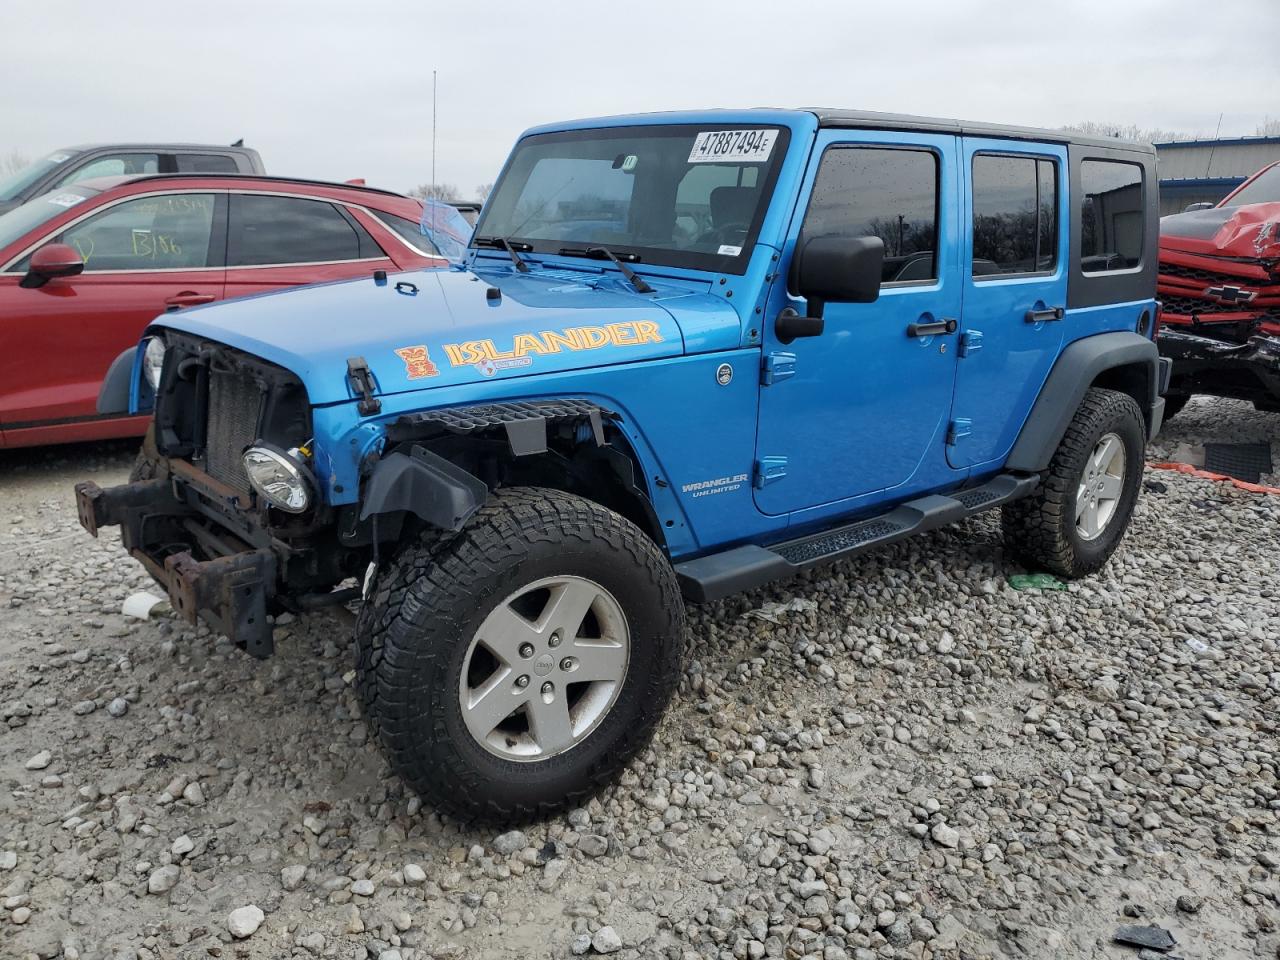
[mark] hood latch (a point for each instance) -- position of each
(361, 379)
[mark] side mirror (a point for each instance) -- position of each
(1191, 207)
(50, 261)
(837, 269)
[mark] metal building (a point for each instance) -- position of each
(1205, 171)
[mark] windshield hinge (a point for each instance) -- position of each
(360, 377)
(769, 469)
(970, 342)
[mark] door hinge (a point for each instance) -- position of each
(970, 342)
(361, 379)
(958, 430)
(769, 469)
(776, 367)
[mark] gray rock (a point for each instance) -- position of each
(945, 835)
(83, 708)
(244, 921)
(606, 940)
(414, 875)
(40, 760)
(163, 879)
(511, 842)
(183, 844)
(291, 877)
(118, 707)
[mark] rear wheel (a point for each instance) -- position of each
(1075, 520)
(518, 666)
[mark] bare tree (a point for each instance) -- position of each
(447, 192)
(483, 191)
(13, 161)
(1269, 128)
(1127, 131)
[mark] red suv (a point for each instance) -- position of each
(1220, 286)
(85, 268)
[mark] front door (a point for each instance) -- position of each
(1015, 291)
(864, 407)
(142, 256)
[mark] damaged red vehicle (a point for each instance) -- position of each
(1220, 288)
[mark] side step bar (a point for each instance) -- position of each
(742, 568)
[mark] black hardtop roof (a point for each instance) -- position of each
(873, 120)
(141, 177)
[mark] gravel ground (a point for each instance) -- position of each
(900, 756)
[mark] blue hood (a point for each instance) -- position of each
(440, 328)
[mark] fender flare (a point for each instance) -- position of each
(441, 493)
(113, 395)
(1076, 369)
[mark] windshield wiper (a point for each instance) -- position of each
(603, 253)
(502, 243)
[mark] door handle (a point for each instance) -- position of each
(1042, 316)
(946, 325)
(188, 298)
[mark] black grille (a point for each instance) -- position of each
(235, 405)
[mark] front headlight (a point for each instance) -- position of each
(281, 479)
(153, 361)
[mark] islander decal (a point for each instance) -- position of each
(417, 362)
(524, 346)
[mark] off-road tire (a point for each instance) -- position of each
(428, 602)
(1040, 530)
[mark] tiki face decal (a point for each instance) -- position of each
(417, 362)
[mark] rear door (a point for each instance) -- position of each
(281, 241)
(1015, 291)
(862, 407)
(143, 256)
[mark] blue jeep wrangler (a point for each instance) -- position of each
(687, 354)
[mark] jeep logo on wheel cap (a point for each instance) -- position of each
(544, 664)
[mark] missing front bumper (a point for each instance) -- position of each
(230, 593)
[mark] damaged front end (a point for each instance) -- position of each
(1219, 288)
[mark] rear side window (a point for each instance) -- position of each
(267, 229)
(1015, 215)
(1111, 216)
(205, 163)
(890, 193)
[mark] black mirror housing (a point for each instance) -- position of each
(839, 269)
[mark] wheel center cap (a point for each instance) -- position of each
(544, 665)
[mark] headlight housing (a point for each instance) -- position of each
(153, 361)
(282, 479)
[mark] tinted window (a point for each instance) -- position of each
(1015, 215)
(1265, 188)
(150, 233)
(887, 193)
(410, 231)
(116, 165)
(267, 229)
(1111, 216)
(204, 163)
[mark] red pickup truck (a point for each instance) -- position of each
(1220, 288)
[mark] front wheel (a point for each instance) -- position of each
(1073, 523)
(518, 666)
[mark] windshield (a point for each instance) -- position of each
(20, 221)
(1265, 189)
(12, 185)
(683, 196)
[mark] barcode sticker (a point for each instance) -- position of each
(733, 146)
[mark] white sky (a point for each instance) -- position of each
(337, 90)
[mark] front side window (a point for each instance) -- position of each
(1015, 215)
(20, 221)
(116, 165)
(685, 196)
(17, 182)
(150, 233)
(890, 193)
(1111, 216)
(267, 229)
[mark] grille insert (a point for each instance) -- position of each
(235, 405)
